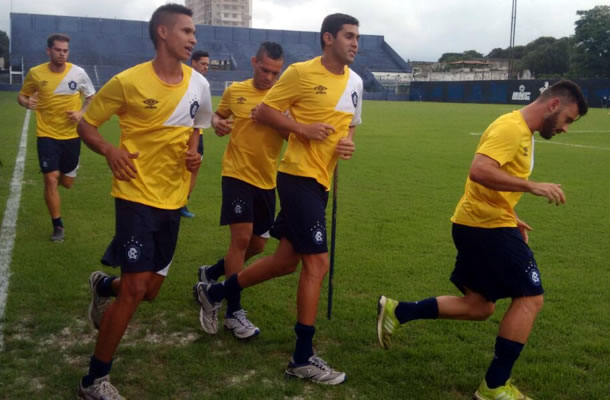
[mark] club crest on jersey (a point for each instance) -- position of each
(133, 250)
(355, 98)
(320, 89)
(318, 232)
(72, 85)
(151, 104)
(194, 108)
(241, 100)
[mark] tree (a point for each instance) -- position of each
(4, 46)
(592, 43)
(547, 56)
(466, 55)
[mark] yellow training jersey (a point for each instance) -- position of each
(156, 121)
(314, 94)
(509, 141)
(58, 93)
(253, 149)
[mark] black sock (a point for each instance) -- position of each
(104, 288)
(423, 309)
(304, 346)
(57, 222)
(233, 295)
(217, 292)
(505, 355)
(97, 369)
(217, 270)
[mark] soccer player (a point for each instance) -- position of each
(200, 62)
(249, 168)
(493, 258)
(158, 104)
(324, 97)
(54, 91)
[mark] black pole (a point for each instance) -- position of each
(333, 233)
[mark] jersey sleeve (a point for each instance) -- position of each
(203, 118)
(501, 143)
(110, 100)
(85, 86)
(357, 119)
(285, 91)
(30, 86)
(224, 107)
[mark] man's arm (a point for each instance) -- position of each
(486, 171)
(222, 125)
(346, 146)
(77, 115)
(193, 159)
(29, 102)
(280, 122)
(119, 160)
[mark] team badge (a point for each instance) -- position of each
(533, 273)
(194, 108)
(318, 232)
(133, 250)
(239, 207)
(355, 98)
(72, 85)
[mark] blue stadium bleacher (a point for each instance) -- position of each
(105, 47)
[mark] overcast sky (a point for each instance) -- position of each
(417, 29)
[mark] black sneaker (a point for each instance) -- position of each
(58, 234)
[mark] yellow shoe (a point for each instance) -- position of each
(506, 392)
(386, 321)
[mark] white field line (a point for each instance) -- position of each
(9, 222)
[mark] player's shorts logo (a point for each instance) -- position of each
(534, 274)
(355, 98)
(194, 108)
(72, 85)
(319, 232)
(133, 250)
(239, 207)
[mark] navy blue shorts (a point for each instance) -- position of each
(145, 238)
(302, 217)
(200, 146)
(243, 202)
(58, 155)
(494, 262)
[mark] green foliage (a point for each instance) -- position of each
(547, 56)
(466, 55)
(395, 199)
(592, 43)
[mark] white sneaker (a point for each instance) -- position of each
(98, 304)
(208, 312)
(316, 370)
(101, 389)
(241, 327)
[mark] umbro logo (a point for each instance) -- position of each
(43, 83)
(320, 89)
(241, 100)
(151, 104)
(525, 151)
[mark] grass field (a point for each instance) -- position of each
(395, 199)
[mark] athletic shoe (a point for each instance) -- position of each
(58, 234)
(208, 312)
(241, 327)
(98, 304)
(506, 392)
(386, 320)
(186, 213)
(101, 389)
(316, 370)
(202, 274)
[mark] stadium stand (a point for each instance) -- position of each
(107, 46)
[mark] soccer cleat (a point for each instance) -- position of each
(241, 327)
(184, 211)
(316, 370)
(208, 312)
(506, 392)
(98, 304)
(101, 389)
(58, 234)
(386, 320)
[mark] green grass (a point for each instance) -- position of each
(395, 199)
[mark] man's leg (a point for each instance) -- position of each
(53, 202)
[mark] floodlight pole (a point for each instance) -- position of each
(333, 233)
(513, 25)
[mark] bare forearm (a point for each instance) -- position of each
(86, 104)
(497, 179)
(22, 100)
(280, 122)
(92, 138)
(193, 142)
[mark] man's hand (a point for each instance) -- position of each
(523, 228)
(552, 191)
(222, 126)
(193, 161)
(74, 116)
(345, 148)
(315, 131)
(32, 103)
(253, 113)
(119, 161)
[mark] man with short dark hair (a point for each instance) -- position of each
(324, 97)
(159, 103)
(54, 91)
(249, 167)
(493, 258)
(200, 61)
